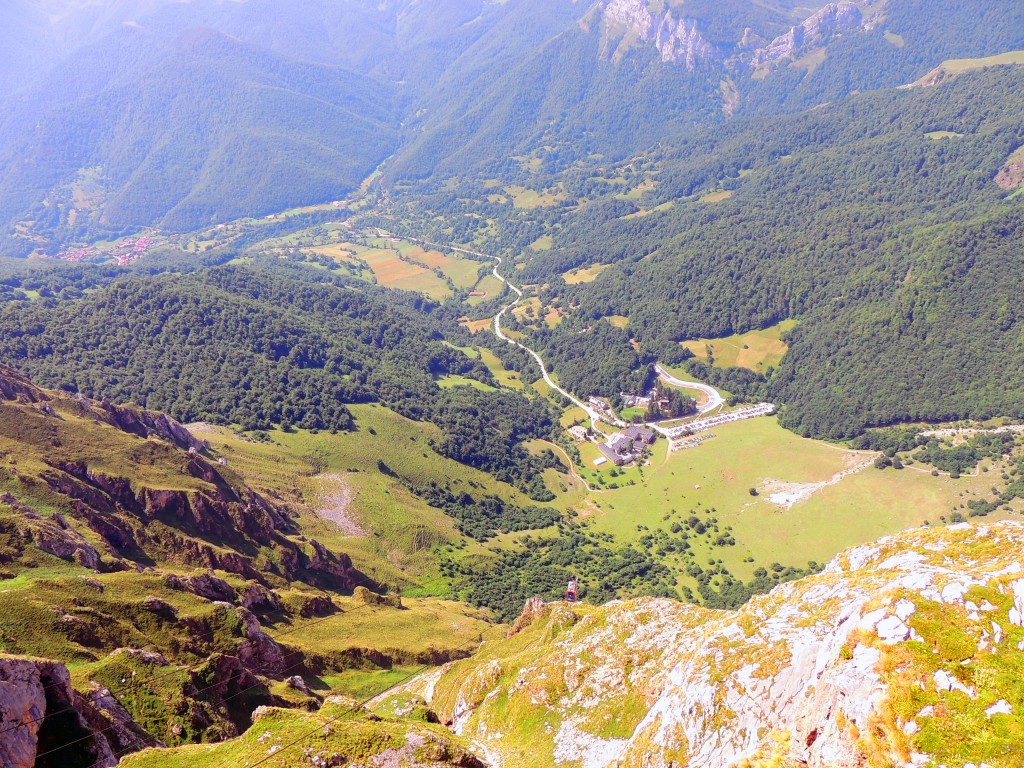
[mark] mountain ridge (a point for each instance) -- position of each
(898, 652)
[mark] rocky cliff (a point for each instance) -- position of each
(904, 653)
(46, 722)
(814, 31)
(677, 39)
(683, 40)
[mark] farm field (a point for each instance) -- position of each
(475, 326)
(462, 272)
(490, 286)
(505, 377)
(756, 350)
(392, 271)
(446, 382)
(407, 266)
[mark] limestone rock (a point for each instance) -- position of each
(817, 29)
(795, 677)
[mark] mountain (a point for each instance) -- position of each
(182, 133)
(624, 75)
(177, 115)
(905, 652)
(139, 489)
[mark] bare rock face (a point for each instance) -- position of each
(890, 656)
(258, 650)
(1011, 175)
(41, 713)
(258, 598)
(818, 29)
(318, 605)
(532, 611)
(678, 40)
(22, 706)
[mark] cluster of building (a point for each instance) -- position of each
(624, 447)
(124, 253)
(630, 400)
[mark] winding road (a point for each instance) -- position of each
(715, 399)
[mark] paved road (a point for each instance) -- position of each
(592, 414)
(715, 399)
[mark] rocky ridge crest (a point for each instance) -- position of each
(680, 39)
(900, 653)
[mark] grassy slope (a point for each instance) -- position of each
(756, 350)
(308, 470)
(858, 508)
(341, 727)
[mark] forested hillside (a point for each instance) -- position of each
(181, 133)
(273, 345)
(178, 115)
(876, 221)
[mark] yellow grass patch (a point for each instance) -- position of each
(530, 198)
(811, 61)
(475, 326)
(340, 252)
(587, 275)
(503, 376)
(717, 197)
(957, 66)
(619, 321)
(895, 39)
(756, 350)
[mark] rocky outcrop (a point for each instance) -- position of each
(44, 721)
(15, 387)
(258, 651)
(206, 528)
(103, 714)
(259, 599)
(678, 40)
(54, 536)
(896, 654)
(816, 30)
(206, 585)
(318, 605)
